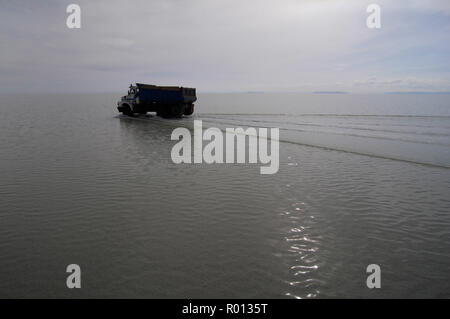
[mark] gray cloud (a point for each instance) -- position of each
(217, 45)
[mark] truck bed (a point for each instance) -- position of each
(165, 94)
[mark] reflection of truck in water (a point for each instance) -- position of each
(166, 101)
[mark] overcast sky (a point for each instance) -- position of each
(225, 45)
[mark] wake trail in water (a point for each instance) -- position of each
(353, 127)
(331, 115)
(322, 136)
(337, 133)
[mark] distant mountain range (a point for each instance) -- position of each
(330, 92)
(418, 92)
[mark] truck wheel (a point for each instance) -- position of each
(127, 110)
(189, 109)
(176, 110)
(164, 112)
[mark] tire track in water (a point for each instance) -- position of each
(343, 134)
(188, 123)
(356, 127)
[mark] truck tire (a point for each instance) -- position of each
(171, 111)
(164, 112)
(177, 110)
(127, 110)
(189, 109)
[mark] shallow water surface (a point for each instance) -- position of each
(362, 180)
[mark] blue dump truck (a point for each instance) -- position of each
(166, 101)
